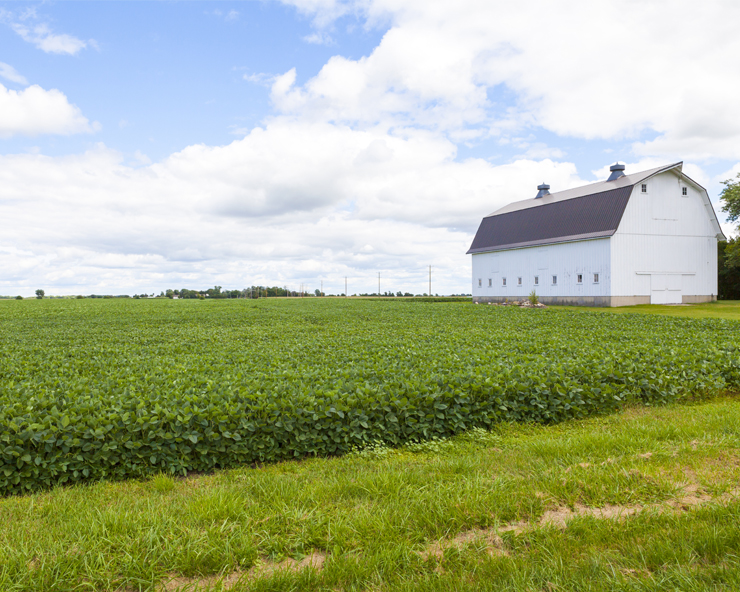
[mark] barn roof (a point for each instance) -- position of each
(591, 211)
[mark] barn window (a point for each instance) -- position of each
(684, 191)
(536, 280)
(596, 278)
(554, 280)
(490, 282)
(518, 281)
(580, 278)
(644, 188)
(480, 282)
(503, 281)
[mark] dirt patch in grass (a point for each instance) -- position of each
(691, 496)
(493, 542)
(315, 560)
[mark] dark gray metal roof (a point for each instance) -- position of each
(596, 215)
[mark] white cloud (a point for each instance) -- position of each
(141, 158)
(11, 74)
(35, 111)
(232, 15)
(42, 37)
(260, 78)
(319, 38)
(357, 170)
(604, 70)
(325, 12)
(291, 202)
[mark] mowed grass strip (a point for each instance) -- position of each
(722, 309)
(470, 513)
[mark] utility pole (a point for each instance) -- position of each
(430, 280)
(378, 283)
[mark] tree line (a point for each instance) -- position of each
(728, 252)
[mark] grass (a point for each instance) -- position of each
(723, 309)
(518, 508)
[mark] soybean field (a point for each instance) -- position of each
(112, 389)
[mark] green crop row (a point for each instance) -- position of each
(116, 389)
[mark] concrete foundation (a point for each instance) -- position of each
(685, 299)
(629, 300)
(552, 300)
(605, 301)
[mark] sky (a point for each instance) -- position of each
(155, 145)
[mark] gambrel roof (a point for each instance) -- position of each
(591, 211)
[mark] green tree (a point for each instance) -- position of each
(40, 294)
(730, 198)
(728, 275)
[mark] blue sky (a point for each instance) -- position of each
(148, 145)
(164, 75)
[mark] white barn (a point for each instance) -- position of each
(644, 238)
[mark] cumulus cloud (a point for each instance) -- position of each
(42, 37)
(289, 203)
(357, 169)
(35, 111)
(325, 12)
(11, 74)
(605, 70)
(231, 15)
(319, 38)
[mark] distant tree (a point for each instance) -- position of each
(170, 293)
(19, 297)
(40, 294)
(730, 198)
(728, 274)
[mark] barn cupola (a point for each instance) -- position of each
(617, 171)
(544, 190)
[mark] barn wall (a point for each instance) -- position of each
(565, 260)
(665, 247)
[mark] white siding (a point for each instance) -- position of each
(665, 246)
(566, 260)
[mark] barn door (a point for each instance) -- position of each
(675, 283)
(665, 288)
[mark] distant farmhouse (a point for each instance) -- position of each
(643, 238)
